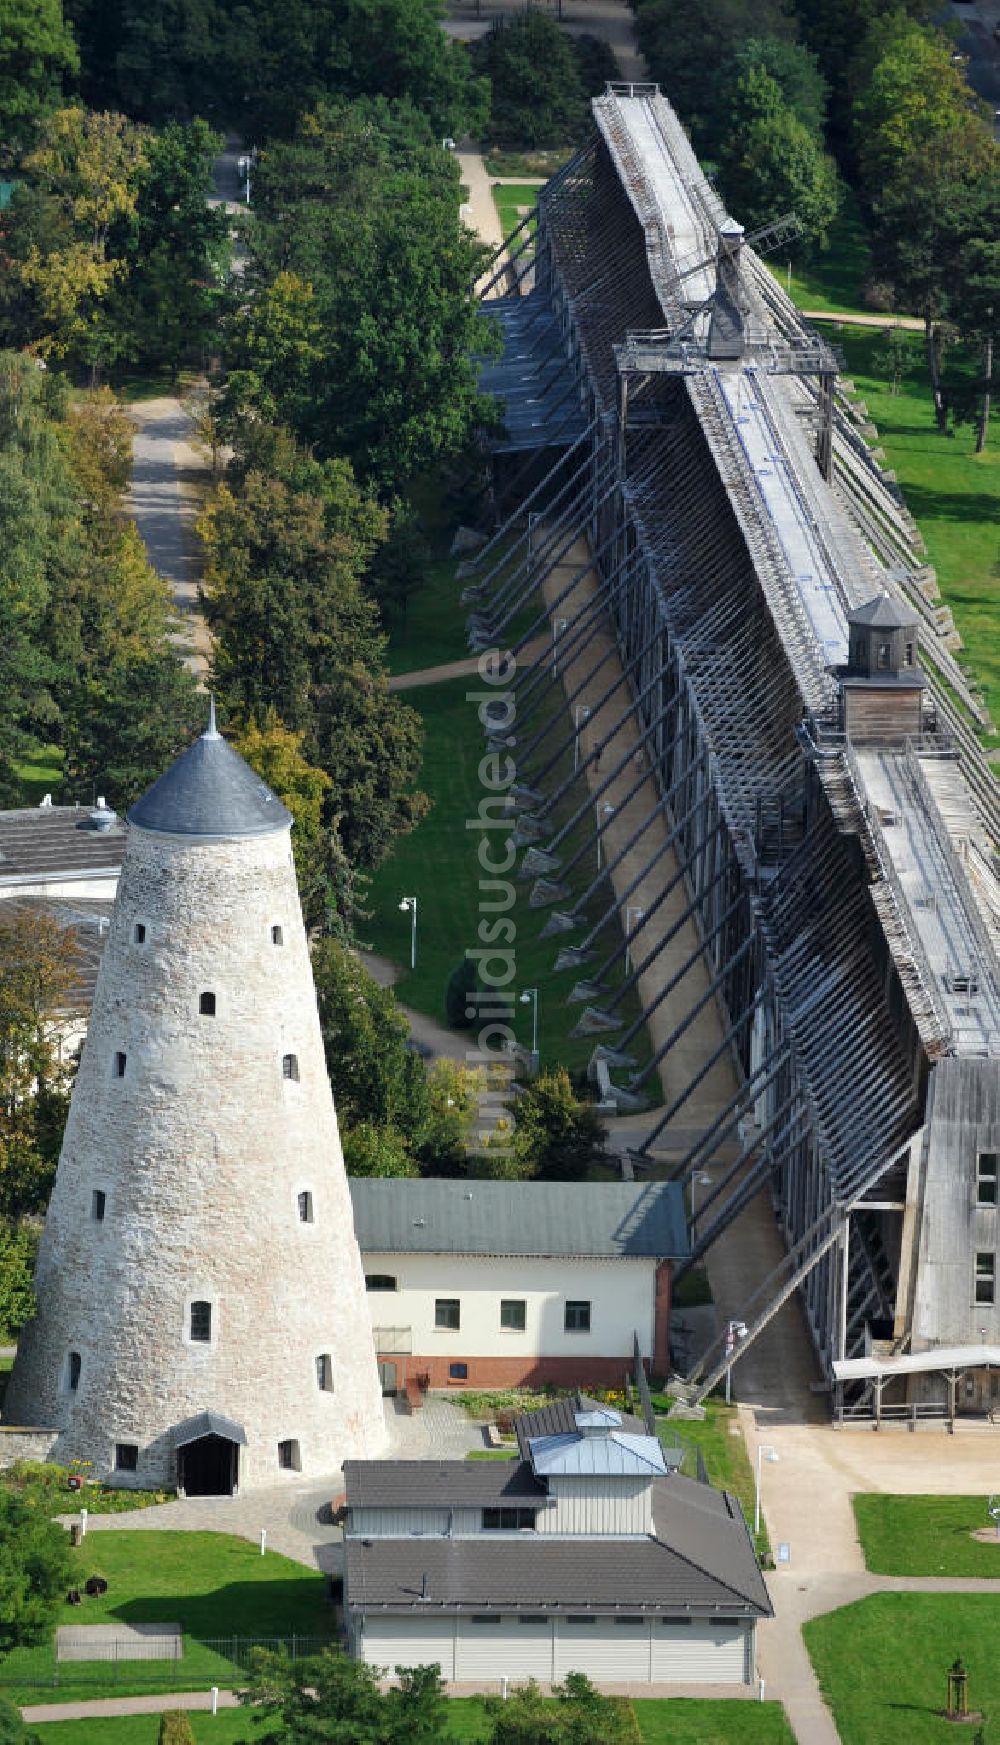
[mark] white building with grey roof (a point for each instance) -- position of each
(201, 1306)
(586, 1554)
(503, 1284)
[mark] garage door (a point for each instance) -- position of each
(510, 1648)
(692, 1653)
(410, 1642)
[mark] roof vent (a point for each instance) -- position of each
(103, 816)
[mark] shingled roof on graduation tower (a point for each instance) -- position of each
(210, 791)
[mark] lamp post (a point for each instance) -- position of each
(558, 626)
(410, 903)
(605, 810)
(581, 713)
(703, 1180)
(532, 995)
(630, 926)
(772, 1456)
(735, 1331)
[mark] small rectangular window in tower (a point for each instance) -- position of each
(986, 1178)
(986, 1269)
(379, 1281)
(98, 1205)
(206, 1005)
(884, 656)
(908, 653)
(201, 1322)
(513, 1314)
(277, 937)
(139, 933)
(290, 1066)
(126, 1456)
(324, 1373)
(73, 1371)
(305, 1207)
(119, 1065)
(448, 1313)
(289, 1458)
(577, 1318)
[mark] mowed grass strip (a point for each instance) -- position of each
(513, 200)
(438, 863)
(882, 1664)
(215, 1586)
(952, 493)
(676, 1722)
(926, 1535)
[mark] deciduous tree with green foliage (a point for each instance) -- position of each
(376, 1074)
(38, 57)
(331, 1696)
(35, 1571)
(909, 95)
(538, 95)
(771, 163)
(38, 977)
(579, 1715)
(18, 1246)
(691, 47)
(357, 327)
(557, 1135)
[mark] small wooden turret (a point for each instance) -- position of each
(882, 685)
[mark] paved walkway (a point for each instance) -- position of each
(854, 318)
(467, 668)
(164, 498)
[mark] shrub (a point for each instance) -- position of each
(462, 982)
(175, 1728)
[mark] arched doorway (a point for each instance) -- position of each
(208, 1455)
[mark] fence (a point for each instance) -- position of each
(200, 1662)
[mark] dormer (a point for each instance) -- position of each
(882, 685)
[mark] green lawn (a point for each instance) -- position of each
(41, 774)
(952, 493)
(833, 278)
(925, 1535)
(215, 1586)
(438, 864)
(882, 1664)
(679, 1722)
(509, 198)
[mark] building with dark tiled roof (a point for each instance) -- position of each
(585, 1554)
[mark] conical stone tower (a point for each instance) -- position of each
(201, 1304)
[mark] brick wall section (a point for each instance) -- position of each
(201, 1150)
(508, 1372)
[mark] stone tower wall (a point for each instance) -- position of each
(201, 1150)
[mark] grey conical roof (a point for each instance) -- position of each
(883, 613)
(210, 791)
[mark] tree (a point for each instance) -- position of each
(35, 1571)
(12, 1729)
(175, 1728)
(356, 222)
(375, 1073)
(795, 71)
(295, 631)
(402, 566)
(909, 95)
(691, 48)
(771, 163)
(276, 754)
(86, 171)
(556, 1135)
(459, 1007)
(937, 225)
(331, 1696)
(125, 725)
(580, 1715)
(18, 1245)
(37, 56)
(538, 95)
(38, 975)
(894, 357)
(378, 1151)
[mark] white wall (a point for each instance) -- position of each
(621, 1294)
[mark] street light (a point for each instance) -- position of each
(581, 713)
(532, 995)
(630, 927)
(558, 626)
(607, 810)
(410, 903)
(703, 1180)
(772, 1456)
(736, 1330)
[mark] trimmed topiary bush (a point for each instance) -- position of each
(175, 1728)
